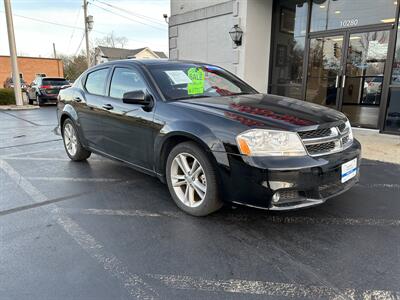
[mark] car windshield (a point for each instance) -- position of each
(187, 81)
(55, 81)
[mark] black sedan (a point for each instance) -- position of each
(210, 136)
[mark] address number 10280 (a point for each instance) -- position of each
(349, 23)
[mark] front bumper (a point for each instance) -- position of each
(301, 181)
(49, 99)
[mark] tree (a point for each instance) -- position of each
(112, 40)
(74, 65)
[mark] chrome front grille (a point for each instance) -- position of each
(315, 133)
(326, 141)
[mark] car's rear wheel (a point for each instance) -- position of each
(72, 145)
(192, 180)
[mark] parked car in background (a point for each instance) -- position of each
(9, 84)
(210, 136)
(44, 90)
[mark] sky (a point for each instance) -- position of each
(129, 18)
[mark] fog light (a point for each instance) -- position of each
(275, 197)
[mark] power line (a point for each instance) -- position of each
(122, 16)
(133, 13)
(80, 44)
(54, 23)
(73, 31)
(73, 27)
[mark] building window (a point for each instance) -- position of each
(335, 14)
(288, 47)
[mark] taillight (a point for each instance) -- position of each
(45, 87)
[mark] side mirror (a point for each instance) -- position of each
(138, 97)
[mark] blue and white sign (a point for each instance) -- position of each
(349, 170)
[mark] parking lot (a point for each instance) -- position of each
(100, 230)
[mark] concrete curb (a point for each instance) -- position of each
(15, 107)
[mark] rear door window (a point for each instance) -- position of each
(96, 82)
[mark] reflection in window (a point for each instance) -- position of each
(324, 67)
(396, 62)
(365, 67)
(366, 60)
(392, 122)
(288, 47)
(96, 82)
(125, 80)
(334, 14)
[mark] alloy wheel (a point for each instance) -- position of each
(70, 139)
(188, 180)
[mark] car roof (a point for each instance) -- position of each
(148, 62)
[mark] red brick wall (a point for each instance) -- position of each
(30, 66)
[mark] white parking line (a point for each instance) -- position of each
(333, 221)
(382, 185)
(74, 179)
(275, 289)
(50, 159)
(238, 217)
(132, 282)
(31, 152)
(113, 212)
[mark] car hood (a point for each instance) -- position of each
(263, 110)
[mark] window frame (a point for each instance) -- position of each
(106, 81)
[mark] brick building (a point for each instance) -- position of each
(30, 66)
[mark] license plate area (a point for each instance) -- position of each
(348, 170)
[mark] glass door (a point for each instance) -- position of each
(324, 70)
(362, 82)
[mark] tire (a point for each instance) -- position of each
(195, 192)
(30, 101)
(38, 102)
(72, 145)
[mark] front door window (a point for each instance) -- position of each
(364, 73)
(324, 70)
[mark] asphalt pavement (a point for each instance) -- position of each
(100, 230)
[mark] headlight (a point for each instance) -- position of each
(348, 128)
(263, 142)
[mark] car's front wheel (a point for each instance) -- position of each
(72, 145)
(192, 180)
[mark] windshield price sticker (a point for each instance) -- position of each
(196, 75)
(178, 77)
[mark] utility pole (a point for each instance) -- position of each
(13, 54)
(54, 50)
(86, 31)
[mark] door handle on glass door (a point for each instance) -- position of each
(337, 81)
(108, 106)
(344, 81)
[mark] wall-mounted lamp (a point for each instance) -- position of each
(165, 16)
(236, 35)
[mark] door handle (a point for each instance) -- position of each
(77, 99)
(344, 81)
(108, 106)
(337, 81)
